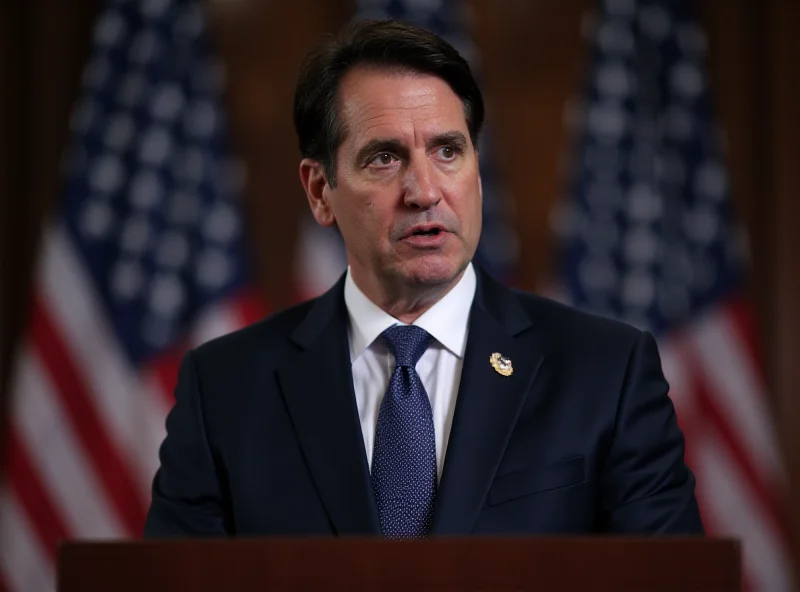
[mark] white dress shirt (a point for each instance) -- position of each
(439, 368)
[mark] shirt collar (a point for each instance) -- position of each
(446, 320)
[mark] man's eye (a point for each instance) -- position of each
(447, 152)
(383, 159)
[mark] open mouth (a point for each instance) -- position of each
(427, 232)
(426, 236)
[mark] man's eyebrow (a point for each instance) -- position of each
(395, 146)
(454, 138)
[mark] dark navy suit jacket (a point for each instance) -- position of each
(265, 438)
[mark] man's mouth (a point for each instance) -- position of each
(426, 230)
(426, 237)
(429, 232)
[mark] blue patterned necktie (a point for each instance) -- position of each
(404, 458)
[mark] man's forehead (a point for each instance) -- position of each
(375, 102)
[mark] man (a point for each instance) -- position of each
(418, 396)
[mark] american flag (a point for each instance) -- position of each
(144, 258)
(321, 256)
(650, 238)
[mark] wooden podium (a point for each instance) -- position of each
(550, 564)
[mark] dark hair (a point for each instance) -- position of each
(385, 45)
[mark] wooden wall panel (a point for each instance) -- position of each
(736, 76)
(532, 63)
(782, 184)
(12, 108)
(263, 44)
(45, 45)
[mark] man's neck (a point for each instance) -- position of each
(406, 303)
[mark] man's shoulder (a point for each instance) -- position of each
(270, 334)
(564, 324)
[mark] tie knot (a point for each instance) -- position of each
(407, 343)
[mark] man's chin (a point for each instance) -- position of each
(432, 271)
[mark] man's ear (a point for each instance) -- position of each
(312, 177)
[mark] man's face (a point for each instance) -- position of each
(408, 194)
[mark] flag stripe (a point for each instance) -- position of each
(213, 323)
(155, 403)
(27, 487)
(676, 371)
(732, 381)
(319, 259)
(54, 454)
(243, 309)
(113, 385)
(765, 561)
(97, 445)
(727, 437)
(249, 308)
(23, 562)
(740, 315)
(712, 521)
(163, 373)
(697, 417)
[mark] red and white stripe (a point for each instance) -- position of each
(85, 424)
(719, 393)
(319, 259)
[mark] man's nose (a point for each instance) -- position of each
(421, 188)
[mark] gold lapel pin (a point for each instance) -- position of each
(501, 364)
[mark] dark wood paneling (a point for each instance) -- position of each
(736, 78)
(45, 46)
(533, 62)
(263, 44)
(782, 147)
(12, 162)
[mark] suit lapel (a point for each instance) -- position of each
(488, 404)
(317, 384)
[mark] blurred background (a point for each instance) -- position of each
(640, 160)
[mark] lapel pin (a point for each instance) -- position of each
(501, 364)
